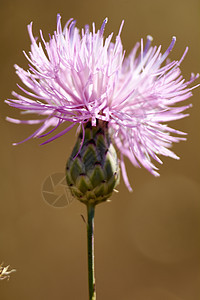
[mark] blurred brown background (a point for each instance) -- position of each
(148, 241)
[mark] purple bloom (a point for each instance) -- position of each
(79, 77)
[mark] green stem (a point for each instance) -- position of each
(90, 237)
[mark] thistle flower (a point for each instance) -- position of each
(4, 273)
(81, 77)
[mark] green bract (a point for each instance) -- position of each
(94, 172)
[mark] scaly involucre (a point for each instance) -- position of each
(81, 77)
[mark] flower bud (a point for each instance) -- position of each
(92, 170)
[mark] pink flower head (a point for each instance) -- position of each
(78, 77)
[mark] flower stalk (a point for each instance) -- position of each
(92, 173)
(90, 240)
